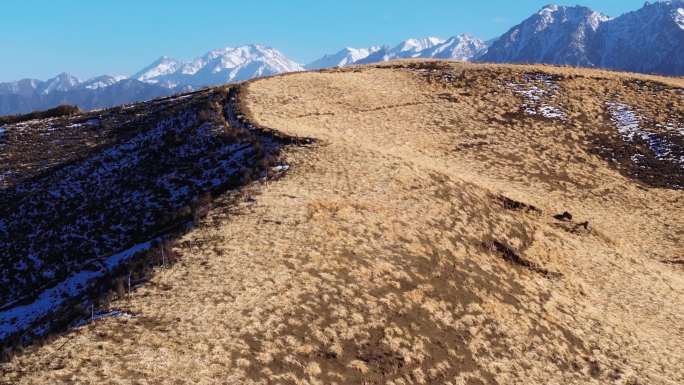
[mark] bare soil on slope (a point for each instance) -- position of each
(453, 224)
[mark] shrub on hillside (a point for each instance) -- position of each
(63, 110)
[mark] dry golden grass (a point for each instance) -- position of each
(374, 260)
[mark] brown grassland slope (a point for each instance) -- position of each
(419, 241)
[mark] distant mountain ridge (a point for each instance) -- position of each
(554, 35)
(648, 40)
(90, 95)
(218, 67)
(460, 47)
(100, 92)
(344, 57)
(165, 76)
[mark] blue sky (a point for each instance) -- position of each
(40, 38)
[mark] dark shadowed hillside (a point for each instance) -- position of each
(80, 195)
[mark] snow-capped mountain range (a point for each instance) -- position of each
(649, 40)
(462, 47)
(218, 67)
(163, 77)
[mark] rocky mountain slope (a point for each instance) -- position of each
(555, 35)
(648, 40)
(451, 223)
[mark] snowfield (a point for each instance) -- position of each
(20, 318)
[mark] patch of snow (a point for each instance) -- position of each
(626, 121)
(102, 315)
(673, 126)
(595, 20)
(22, 318)
(628, 124)
(551, 112)
(679, 17)
(112, 314)
(535, 89)
(546, 17)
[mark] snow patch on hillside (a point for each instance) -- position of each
(536, 90)
(626, 121)
(21, 318)
(628, 124)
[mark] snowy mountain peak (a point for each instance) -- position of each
(556, 14)
(102, 81)
(160, 67)
(417, 45)
(344, 57)
(596, 18)
(61, 82)
(462, 47)
(548, 9)
(218, 66)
